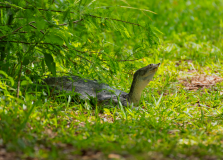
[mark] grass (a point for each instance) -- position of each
(172, 122)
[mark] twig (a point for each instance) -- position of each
(72, 22)
(52, 90)
(73, 49)
(37, 8)
(34, 26)
(83, 14)
(115, 20)
(19, 29)
(48, 44)
(11, 33)
(18, 87)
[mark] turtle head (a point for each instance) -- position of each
(146, 73)
(140, 80)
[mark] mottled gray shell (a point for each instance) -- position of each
(86, 88)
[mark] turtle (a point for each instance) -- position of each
(103, 93)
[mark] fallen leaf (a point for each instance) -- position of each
(200, 81)
(114, 156)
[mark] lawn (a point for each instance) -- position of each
(181, 112)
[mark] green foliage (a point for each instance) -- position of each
(50, 63)
(71, 35)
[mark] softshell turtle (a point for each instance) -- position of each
(103, 93)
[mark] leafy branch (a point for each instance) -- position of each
(73, 49)
(106, 18)
(75, 37)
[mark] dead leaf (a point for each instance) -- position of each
(200, 81)
(114, 156)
